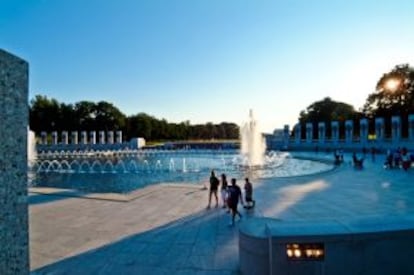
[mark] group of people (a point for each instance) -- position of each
(231, 194)
(399, 157)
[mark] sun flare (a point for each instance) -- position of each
(392, 84)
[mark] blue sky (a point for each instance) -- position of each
(211, 60)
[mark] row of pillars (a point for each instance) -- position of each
(104, 138)
(349, 130)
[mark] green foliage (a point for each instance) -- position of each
(50, 115)
(394, 95)
(327, 110)
(397, 99)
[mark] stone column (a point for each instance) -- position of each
(363, 131)
(321, 132)
(349, 131)
(65, 138)
(396, 128)
(411, 127)
(92, 137)
(110, 136)
(43, 138)
(118, 136)
(101, 137)
(14, 117)
(298, 133)
(54, 138)
(74, 138)
(309, 132)
(84, 137)
(286, 132)
(379, 129)
(335, 132)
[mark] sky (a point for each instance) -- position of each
(208, 60)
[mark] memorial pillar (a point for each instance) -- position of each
(92, 137)
(65, 138)
(396, 129)
(101, 137)
(43, 138)
(321, 132)
(335, 132)
(298, 133)
(349, 131)
(363, 131)
(84, 137)
(14, 120)
(411, 127)
(309, 132)
(118, 136)
(74, 138)
(54, 138)
(379, 129)
(110, 136)
(286, 133)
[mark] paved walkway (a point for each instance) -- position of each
(166, 229)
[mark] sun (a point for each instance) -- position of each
(392, 84)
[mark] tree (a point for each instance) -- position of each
(108, 117)
(50, 115)
(44, 114)
(327, 110)
(85, 115)
(394, 95)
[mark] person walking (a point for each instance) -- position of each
(224, 186)
(248, 194)
(214, 183)
(234, 194)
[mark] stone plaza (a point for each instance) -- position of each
(165, 229)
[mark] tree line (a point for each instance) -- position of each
(48, 114)
(393, 96)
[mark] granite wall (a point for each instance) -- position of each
(14, 244)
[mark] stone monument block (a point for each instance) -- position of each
(379, 128)
(101, 137)
(335, 131)
(43, 138)
(411, 127)
(363, 130)
(396, 128)
(309, 132)
(65, 138)
(92, 137)
(298, 133)
(74, 138)
(14, 117)
(118, 136)
(84, 137)
(321, 132)
(54, 138)
(110, 136)
(349, 131)
(286, 133)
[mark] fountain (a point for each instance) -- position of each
(122, 171)
(253, 146)
(31, 147)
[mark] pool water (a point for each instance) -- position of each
(126, 171)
